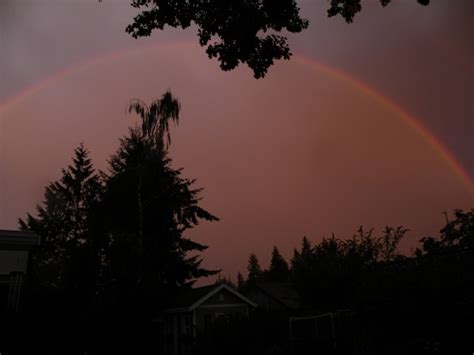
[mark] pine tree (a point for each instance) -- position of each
(253, 268)
(155, 262)
(225, 280)
(295, 260)
(68, 256)
(301, 261)
(306, 248)
(240, 282)
(301, 265)
(278, 270)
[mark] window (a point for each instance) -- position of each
(220, 316)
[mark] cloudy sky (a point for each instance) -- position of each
(369, 124)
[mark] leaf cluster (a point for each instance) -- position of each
(234, 31)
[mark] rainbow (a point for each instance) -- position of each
(392, 106)
(338, 74)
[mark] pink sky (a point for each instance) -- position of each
(299, 153)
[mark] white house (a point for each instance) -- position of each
(15, 247)
(198, 309)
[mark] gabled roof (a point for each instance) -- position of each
(12, 239)
(195, 297)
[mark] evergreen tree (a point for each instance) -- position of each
(306, 248)
(278, 270)
(253, 268)
(301, 271)
(294, 260)
(240, 282)
(67, 258)
(225, 280)
(148, 209)
(301, 261)
(125, 230)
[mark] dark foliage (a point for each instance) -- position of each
(240, 282)
(392, 303)
(236, 31)
(154, 263)
(67, 264)
(225, 280)
(254, 269)
(278, 270)
(349, 8)
(117, 242)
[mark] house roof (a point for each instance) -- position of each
(12, 239)
(282, 292)
(193, 298)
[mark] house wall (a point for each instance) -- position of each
(12, 269)
(179, 323)
(13, 261)
(178, 333)
(205, 316)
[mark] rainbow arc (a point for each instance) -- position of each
(357, 84)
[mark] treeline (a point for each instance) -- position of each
(330, 259)
(114, 247)
(113, 244)
(427, 297)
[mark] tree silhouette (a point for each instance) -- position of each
(302, 260)
(69, 257)
(278, 270)
(329, 274)
(382, 299)
(118, 239)
(254, 269)
(225, 280)
(441, 275)
(155, 134)
(148, 208)
(156, 117)
(349, 8)
(237, 31)
(456, 236)
(240, 282)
